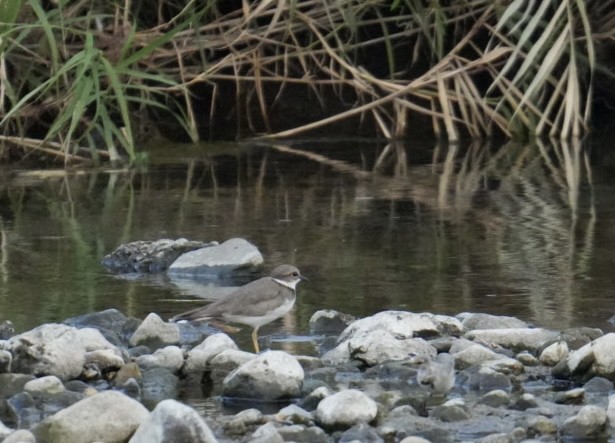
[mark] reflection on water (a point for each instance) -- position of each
(521, 230)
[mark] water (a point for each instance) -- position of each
(512, 230)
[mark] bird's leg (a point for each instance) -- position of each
(255, 340)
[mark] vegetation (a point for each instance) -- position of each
(83, 80)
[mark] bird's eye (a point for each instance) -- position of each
(294, 274)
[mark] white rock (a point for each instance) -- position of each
(266, 433)
(604, 355)
(169, 357)
(197, 359)
(50, 349)
(473, 320)
(580, 359)
(20, 436)
(610, 411)
(109, 416)
(172, 421)
(5, 431)
(379, 346)
(413, 439)
(345, 409)
(155, 332)
(531, 339)
(105, 358)
(554, 353)
(49, 384)
(93, 340)
(6, 359)
(474, 354)
(270, 375)
(400, 324)
(234, 253)
(589, 422)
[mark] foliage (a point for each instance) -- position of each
(82, 74)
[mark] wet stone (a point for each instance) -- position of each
(496, 398)
(452, 410)
(361, 432)
(590, 422)
(301, 433)
(571, 397)
(525, 401)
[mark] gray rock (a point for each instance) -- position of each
(519, 339)
(158, 384)
(496, 398)
(45, 385)
(345, 409)
(50, 349)
(571, 397)
(227, 361)
(475, 354)
(239, 423)
(7, 330)
(401, 324)
(577, 362)
(209, 262)
(380, 346)
(452, 410)
(267, 433)
(527, 359)
(169, 357)
(301, 433)
(362, 433)
(155, 333)
(149, 256)
(472, 321)
(589, 422)
(20, 436)
(108, 416)
(598, 385)
(11, 384)
(329, 322)
(539, 425)
(485, 380)
(112, 324)
(554, 353)
(604, 356)
(525, 401)
(295, 415)
(197, 359)
(173, 422)
(270, 375)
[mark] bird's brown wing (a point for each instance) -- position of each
(243, 301)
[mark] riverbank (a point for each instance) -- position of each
(107, 377)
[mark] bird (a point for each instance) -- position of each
(435, 373)
(254, 304)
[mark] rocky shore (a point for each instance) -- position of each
(107, 377)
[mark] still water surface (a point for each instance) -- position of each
(522, 230)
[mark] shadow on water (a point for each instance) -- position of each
(517, 230)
